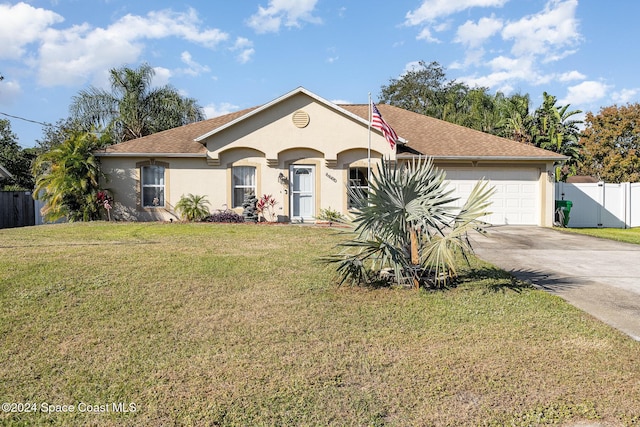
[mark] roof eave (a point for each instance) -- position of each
(187, 155)
(491, 158)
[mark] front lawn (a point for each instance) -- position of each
(629, 235)
(209, 324)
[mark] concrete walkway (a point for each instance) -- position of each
(599, 276)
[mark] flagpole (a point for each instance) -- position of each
(369, 146)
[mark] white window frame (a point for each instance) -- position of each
(353, 184)
(143, 170)
(238, 203)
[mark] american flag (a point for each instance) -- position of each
(378, 122)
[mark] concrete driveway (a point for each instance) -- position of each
(599, 276)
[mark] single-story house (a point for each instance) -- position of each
(304, 150)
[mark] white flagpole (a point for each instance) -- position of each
(369, 146)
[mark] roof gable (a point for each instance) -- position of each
(279, 100)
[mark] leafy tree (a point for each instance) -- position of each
(611, 142)
(426, 90)
(516, 122)
(56, 134)
(15, 159)
(67, 178)
(132, 108)
(193, 207)
(421, 90)
(406, 224)
(555, 130)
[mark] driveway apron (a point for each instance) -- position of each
(599, 276)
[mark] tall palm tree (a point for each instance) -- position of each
(133, 108)
(406, 222)
(67, 178)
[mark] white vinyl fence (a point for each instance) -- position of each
(601, 204)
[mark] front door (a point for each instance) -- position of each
(302, 192)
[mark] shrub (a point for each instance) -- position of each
(265, 207)
(192, 207)
(224, 216)
(331, 216)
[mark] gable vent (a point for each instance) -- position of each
(300, 119)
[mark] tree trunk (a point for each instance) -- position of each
(415, 259)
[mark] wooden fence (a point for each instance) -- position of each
(16, 209)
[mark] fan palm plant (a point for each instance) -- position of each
(407, 227)
(193, 207)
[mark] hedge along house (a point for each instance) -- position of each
(305, 150)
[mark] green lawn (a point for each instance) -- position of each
(210, 324)
(629, 235)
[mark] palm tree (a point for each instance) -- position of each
(555, 130)
(193, 207)
(407, 227)
(67, 178)
(516, 122)
(133, 109)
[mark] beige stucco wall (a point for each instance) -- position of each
(182, 176)
(270, 141)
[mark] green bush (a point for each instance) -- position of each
(193, 207)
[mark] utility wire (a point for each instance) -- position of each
(26, 120)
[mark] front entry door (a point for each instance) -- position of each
(302, 192)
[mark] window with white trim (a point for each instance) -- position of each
(244, 184)
(358, 181)
(152, 179)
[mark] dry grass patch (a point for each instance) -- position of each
(206, 324)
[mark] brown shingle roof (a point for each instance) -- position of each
(425, 135)
(180, 140)
(437, 138)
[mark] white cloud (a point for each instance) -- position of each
(430, 10)
(586, 92)
(289, 13)
(10, 91)
(245, 46)
(213, 110)
(79, 53)
(474, 35)
(571, 76)
(193, 68)
(546, 33)
(21, 25)
(505, 71)
(425, 34)
(623, 96)
(161, 76)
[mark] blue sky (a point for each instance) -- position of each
(233, 55)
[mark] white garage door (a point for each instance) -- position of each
(516, 200)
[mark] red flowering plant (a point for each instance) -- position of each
(265, 207)
(106, 201)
